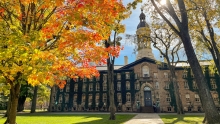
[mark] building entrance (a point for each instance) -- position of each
(147, 97)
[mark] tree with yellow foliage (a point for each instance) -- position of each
(45, 41)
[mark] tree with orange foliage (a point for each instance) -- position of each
(45, 41)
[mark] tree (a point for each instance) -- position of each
(113, 48)
(177, 13)
(164, 40)
(34, 100)
(45, 41)
(25, 91)
(204, 16)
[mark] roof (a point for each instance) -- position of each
(102, 68)
(144, 59)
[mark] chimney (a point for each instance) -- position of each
(125, 60)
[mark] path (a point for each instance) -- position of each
(145, 118)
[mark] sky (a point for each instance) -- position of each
(131, 27)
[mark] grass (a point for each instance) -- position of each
(182, 119)
(46, 118)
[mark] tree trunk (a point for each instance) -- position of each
(34, 100)
(176, 92)
(52, 90)
(12, 109)
(21, 101)
(208, 105)
(111, 89)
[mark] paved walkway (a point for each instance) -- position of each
(145, 118)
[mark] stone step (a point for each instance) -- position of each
(147, 109)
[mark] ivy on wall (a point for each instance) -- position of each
(132, 87)
(101, 92)
(101, 103)
(87, 94)
(123, 88)
(172, 96)
(79, 94)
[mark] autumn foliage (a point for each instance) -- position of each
(46, 41)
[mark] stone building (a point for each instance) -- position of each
(137, 85)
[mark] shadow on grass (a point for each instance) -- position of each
(186, 119)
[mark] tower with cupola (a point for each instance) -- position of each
(143, 39)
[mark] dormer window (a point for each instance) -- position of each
(145, 71)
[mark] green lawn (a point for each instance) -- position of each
(44, 118)
(182, 119)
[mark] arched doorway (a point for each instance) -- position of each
(147, 96)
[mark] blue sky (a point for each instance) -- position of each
(131, 26)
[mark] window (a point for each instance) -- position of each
(137, 86)
(168, 99)
(90, 98)
(104, 86)
(83, 97)
(213, 84)
(176, 73)
(156, 85)
(68, 87)
(197, 98)
(119, 86)
(66, 98)
(61, 90)
(127, 85)
(127, 74)
(118, 97)
(212, 74)
(68, 80)
(145, 71)
(187, 97)
(136, 76)
(60, 98)
(215, 96)
(165, 75)
(75, 87)
(91, 79)
(104, 77)
(186, 85)
(118, 76)
(90, 87)
(76, 79)
(84, 87)
(84, 79)
(157, 97)
(75, 98)
(185, 74)
(194, 85)
(105, 98)
(137, 97)
(155, 75)
(128, 97)
(97, 97)
(168, 109)
(97, 78)
(167, 85)
(97, 87)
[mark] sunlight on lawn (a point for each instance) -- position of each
(68, 119)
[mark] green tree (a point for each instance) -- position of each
(168, 44)
(176, 16)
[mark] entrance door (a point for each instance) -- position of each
(147, 97)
